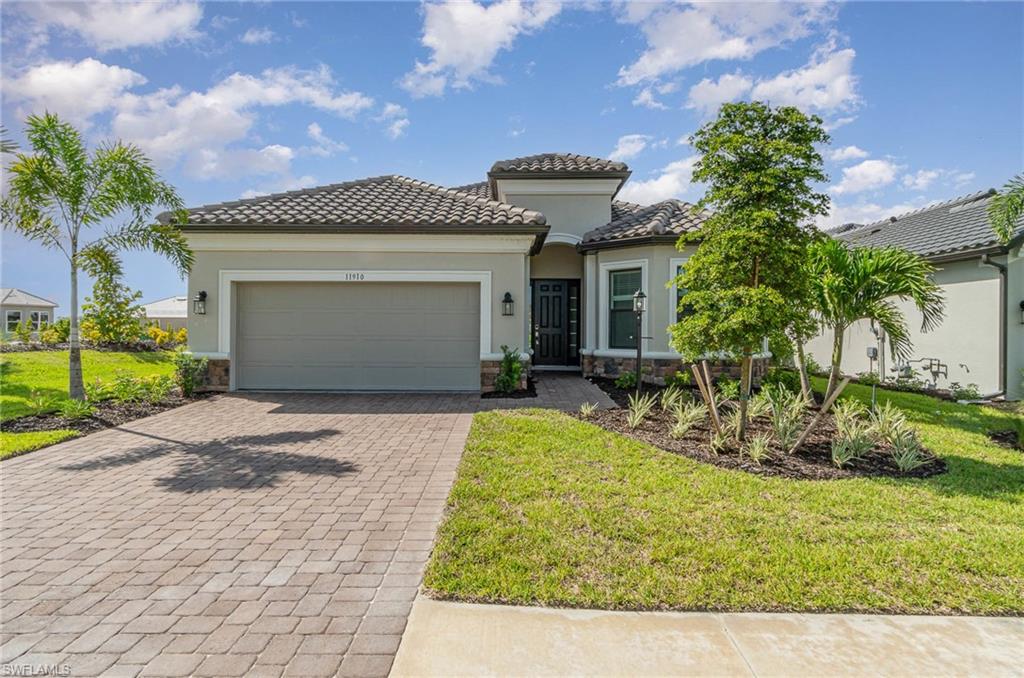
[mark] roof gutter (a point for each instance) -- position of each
(668, 239)
(988, 261)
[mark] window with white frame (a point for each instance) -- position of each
(12, 320)
(39, 319)
(621, 319)
(682, 310)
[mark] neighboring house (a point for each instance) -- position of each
(18, 305)
(981, 338)
(394, 283)
(171, 312)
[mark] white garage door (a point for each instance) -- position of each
(371, 336)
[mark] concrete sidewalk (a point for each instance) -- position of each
(456, 639)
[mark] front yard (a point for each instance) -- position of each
(551, 510)
(44, 375)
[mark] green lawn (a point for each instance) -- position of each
(46, 372)
(550, 510)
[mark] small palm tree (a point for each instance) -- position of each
(855, 283)
(1006, 210)
(60, 191)
(7, 145)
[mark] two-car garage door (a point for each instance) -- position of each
(360, 335)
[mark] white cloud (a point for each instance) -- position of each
(76, 91)
(258, 36)
(679, 36)
(920, 180)
(825, 83)
(832, 125)
(866, 175)
(208, 163)
(962, 178)
(221, 22)
(629, 146)
(288, 183)
(120, 25)
(325, 146)
(672, 181)
(847, 153)
(708, 95)
(465, 37)
(396, 118)
(647, 99)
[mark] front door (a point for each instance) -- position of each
(555, 322)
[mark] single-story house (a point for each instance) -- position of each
(981, 338)
(393, 283)
(169, 313)
(17, 306)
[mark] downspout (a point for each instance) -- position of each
(988, 261)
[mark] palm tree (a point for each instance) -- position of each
(60, 191)
(6, 144)
(1006, 210)
(855, 283)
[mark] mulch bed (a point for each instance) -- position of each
(812, 462)
(529, 392)
(1007, 438)
(106, 414)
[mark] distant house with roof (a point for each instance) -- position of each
(17, 306)
(981, 339)
(171, 312)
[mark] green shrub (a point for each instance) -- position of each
(731, 422)
(886, 420)
(23, 331)
(682, 378)
(670, 396)
(969, 392)
(787, 410)
(849, 415)
(56, 333)
(759, 406)
(97, 390)
(868, 378)
(758, 448)
(813, 366)
(728, 389)
(157, 387)
(905, 450)
(626, 381)
(510, 371)
(126, 388)
(40, 403)
(587, 410)
(639, 407)
(189, 372)
(777, 376)
(75, 409)
(851, 443)
(687, 416)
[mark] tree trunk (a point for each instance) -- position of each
(801, 365)
(745, 366)
(837, 359)
(76, 388)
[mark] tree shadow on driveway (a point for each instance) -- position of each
(244, 462)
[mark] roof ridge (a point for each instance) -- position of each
(312, 190)
(419, 183)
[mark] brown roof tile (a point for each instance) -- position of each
(662, 221)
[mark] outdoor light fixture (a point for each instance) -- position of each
(508, 306)
(639, 306)
(639, 301)
(1022, 312)
(199, 303)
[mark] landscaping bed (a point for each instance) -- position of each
(106, 414)
(550, 510)
(529, 392)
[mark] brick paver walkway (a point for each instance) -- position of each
(268, 534)
(557, 391)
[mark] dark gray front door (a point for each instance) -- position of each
(555, 322)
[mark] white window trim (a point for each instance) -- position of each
(229, 276)
(7, 322)
(603, 298)
(673, 265)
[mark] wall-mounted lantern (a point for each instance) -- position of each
(199, 303)
(1022, 312)
(508, 305)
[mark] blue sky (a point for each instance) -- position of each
(924, 101)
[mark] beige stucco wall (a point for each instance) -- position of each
(967, 340)
(660, 297)
(25, 311)
(1014, 325)
(507, 269)
(569, 214)
(557, 260)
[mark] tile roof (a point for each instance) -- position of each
(559, 163)
(481, 189)
(12, 296)
(942, 230)
(662, 221)
(378, 202)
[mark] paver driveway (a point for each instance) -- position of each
(262, 535)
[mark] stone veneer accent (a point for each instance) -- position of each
(218, 375)
(656, 369)
(489, 370)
